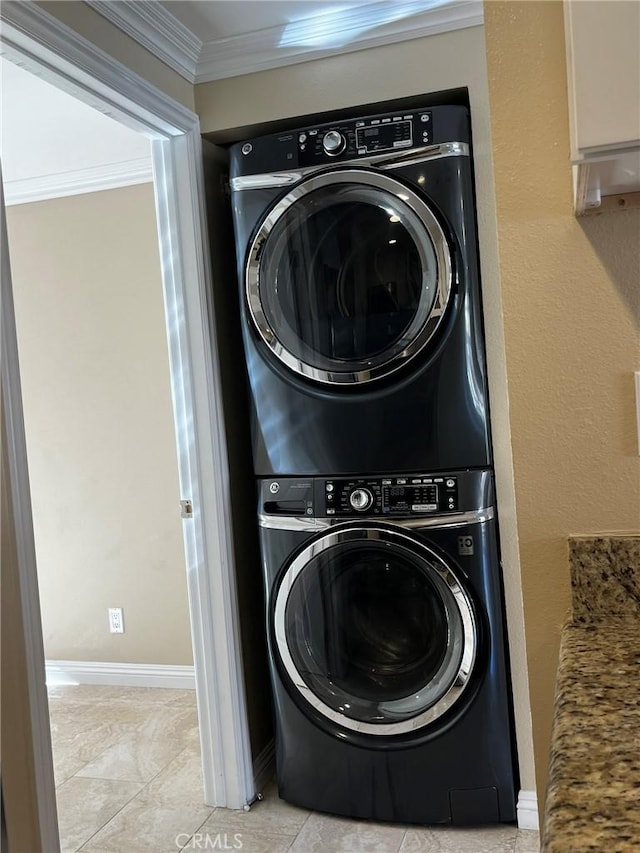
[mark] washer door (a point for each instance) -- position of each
(348, 277)
(375, 630)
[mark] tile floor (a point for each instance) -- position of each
(127, 765)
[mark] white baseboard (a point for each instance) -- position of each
(264, 766)
(527, 810)
(61, 672)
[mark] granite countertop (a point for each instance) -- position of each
(593, 797)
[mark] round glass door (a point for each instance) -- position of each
(348, 277)
(375, 631)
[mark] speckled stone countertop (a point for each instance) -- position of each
(593, 797)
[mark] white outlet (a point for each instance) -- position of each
(116, 621)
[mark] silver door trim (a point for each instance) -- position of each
(413, 340)
(462, 601)
(458, 519)
(380, 161)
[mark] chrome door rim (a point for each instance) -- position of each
(470, 633)
(375, 367)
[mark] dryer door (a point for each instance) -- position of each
(375, 631)
(348, 277)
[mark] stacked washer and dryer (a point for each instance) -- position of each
(360, 292)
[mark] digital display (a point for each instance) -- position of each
(398, 497)
(383, 137)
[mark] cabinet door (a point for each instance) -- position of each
(603, 56)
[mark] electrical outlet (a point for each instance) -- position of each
(116, 621)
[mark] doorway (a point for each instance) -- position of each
(102, 456)
(96, 389)
(32, 38)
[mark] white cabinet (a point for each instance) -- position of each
(603, 72)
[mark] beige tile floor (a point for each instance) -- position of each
(128, 779)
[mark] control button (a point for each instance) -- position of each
(274, 488)
(428, 481)
(333, 143)
(303, 147)
(386, 120)
(386, 482)
(331, 512)
(397, 118)
(438, 480)
(375, 121)
(450, 483)
(313, 133)
(417, 481)
(310, 511)
(359, 124)
(424, 507)
(361, 499)
(401, 481)
(247, 148)
(302, 137)
(329, 487)
(406, 118)
(425, 117)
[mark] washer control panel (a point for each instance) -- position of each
(391, 496)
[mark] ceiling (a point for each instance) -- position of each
(218, 19)
(54, 145)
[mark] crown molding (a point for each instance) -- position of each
(90, 180)
(357, 28)
(264, 49)
(156, 29)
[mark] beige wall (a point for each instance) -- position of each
(571, 296)
(100, 439)
(104, 35)
(440, 62)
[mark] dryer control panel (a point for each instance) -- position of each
(364, 136)
(349, 140)
(391, 496)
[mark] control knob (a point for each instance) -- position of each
(333, 143)
(361, 499)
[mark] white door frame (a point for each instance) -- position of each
(39, 42)
(27, 582)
